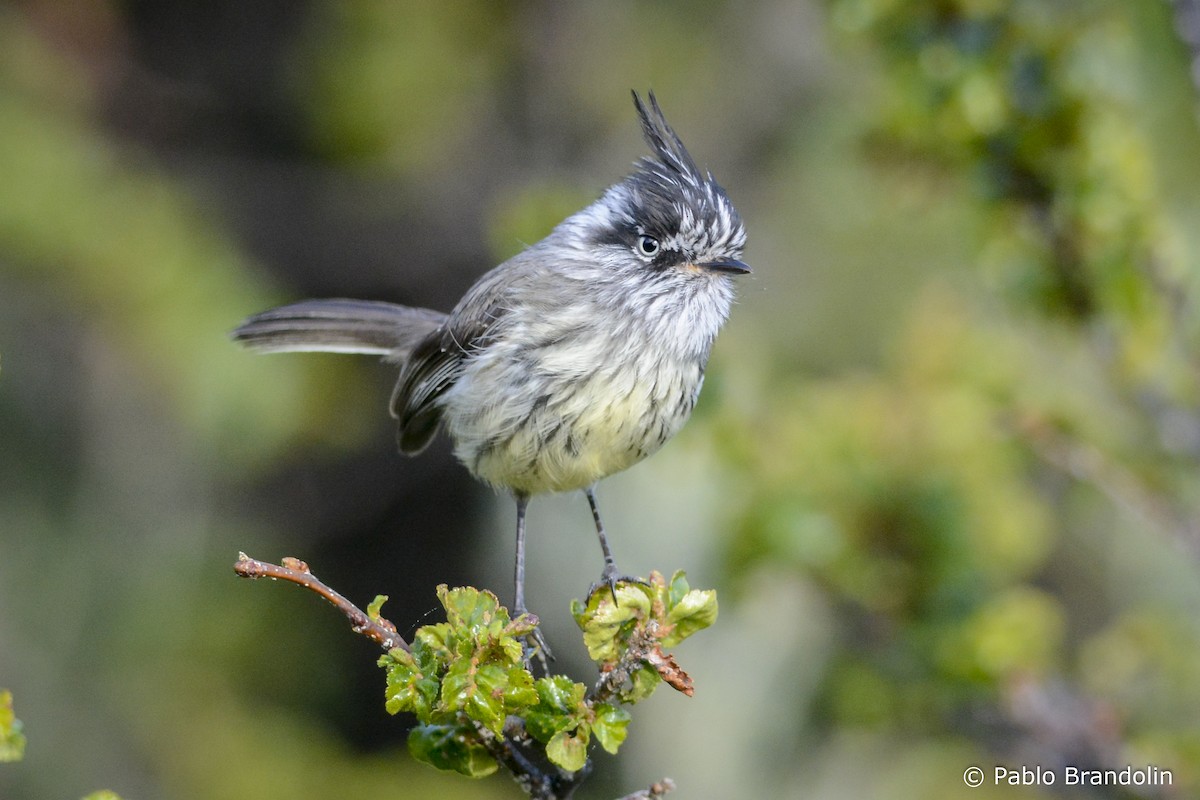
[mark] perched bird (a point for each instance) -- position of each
(574, 359)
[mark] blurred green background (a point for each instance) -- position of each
(945, 473)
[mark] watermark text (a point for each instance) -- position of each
(1069, 775)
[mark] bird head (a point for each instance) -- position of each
(667, 217)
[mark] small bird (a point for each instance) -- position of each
(574, 359)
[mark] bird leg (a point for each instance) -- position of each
(538, 639)
(611, 575)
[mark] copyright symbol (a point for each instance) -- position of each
(973, 777)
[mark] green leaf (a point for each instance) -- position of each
(677, 588)
(408, 687)
(510, 650)
(609, 726)
(543, 723)
(451, 747)
(560, 692)
(521, 626)
(436, 639)
(568, 751)
(694, 612)
(471, 609)
(559, 708)
(103, 794)
(375, 606)
(486, 703)
(606, 624)
(12, 740)
(478, 691)
(510, 639)
(643, 681)
(519, 691)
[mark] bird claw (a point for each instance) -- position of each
(610, 578)
(536, 646)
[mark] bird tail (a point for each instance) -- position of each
(339, 326)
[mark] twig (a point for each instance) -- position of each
(652, 791)
(538, 783)
(296, 571)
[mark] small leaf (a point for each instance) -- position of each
(677, 588)
(510, 649)
(521, 626)
(519, 691)
(694, 612)
(559, 707)
(457, 685)
(437, 639)
(471, 609)
(510, 639)
(375, 606)
(451, 747)
(610, 726)
(103, 794)
(643, 681)
(560, 692)
(606, 624)
(486, 702)
(408, 688)
(568, 751)
(542, 723)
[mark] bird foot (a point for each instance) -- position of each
(610, 578)
(535, 644)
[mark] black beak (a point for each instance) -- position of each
(729, 265)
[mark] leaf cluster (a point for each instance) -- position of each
(468, 682)
(626, 630)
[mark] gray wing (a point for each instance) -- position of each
(436, 361)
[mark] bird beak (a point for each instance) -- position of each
(728, 265)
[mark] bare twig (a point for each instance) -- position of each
(652, 791)
(538, 783)
(296, 571)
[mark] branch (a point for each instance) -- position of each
(296, 571)
(538, 783)
(652, 791)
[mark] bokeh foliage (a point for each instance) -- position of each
(12, 739)
(965, 507)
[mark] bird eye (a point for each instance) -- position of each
(647, 245)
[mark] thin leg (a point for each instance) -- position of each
(610, 564)
(538, 639)
(519, 593)
(609, 576)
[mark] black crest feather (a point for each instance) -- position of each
(664, 141)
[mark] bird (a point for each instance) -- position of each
(576, 358)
